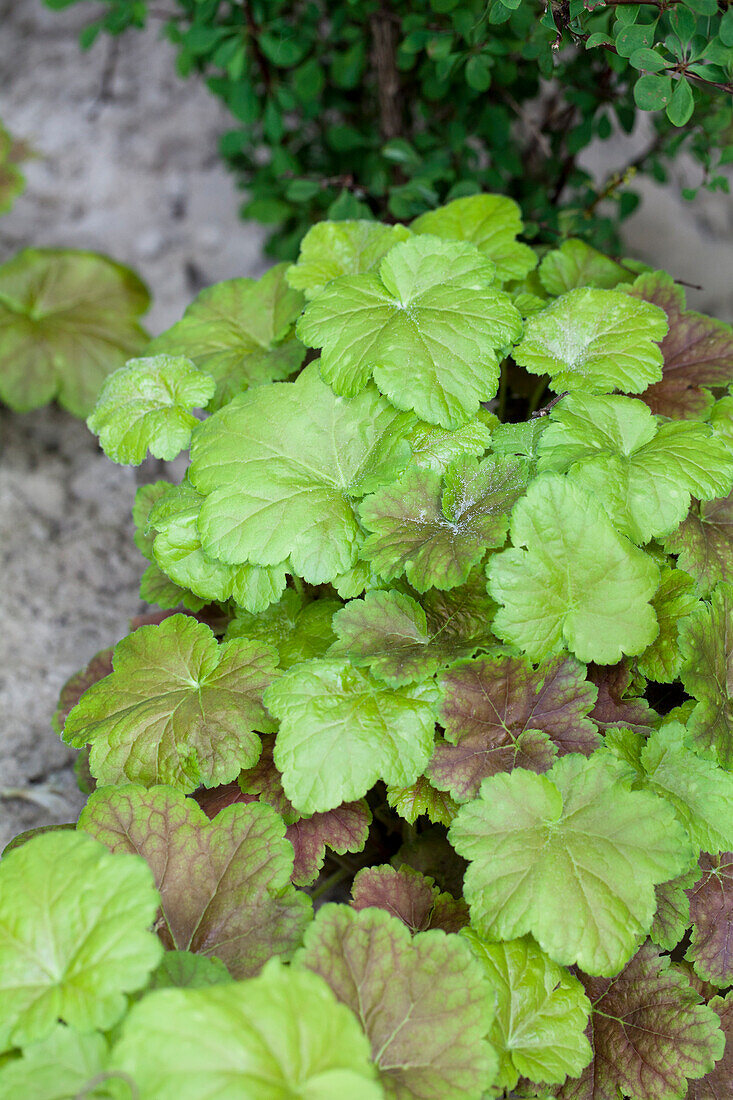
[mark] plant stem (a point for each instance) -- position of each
(332, 880)
(536, 397)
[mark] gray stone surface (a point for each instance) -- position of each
(126, 164)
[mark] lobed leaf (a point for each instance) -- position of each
(334, 248)
(240, 332)
(571, 856)
(704, 543)
(224, 885)
(146, 406)
(575, 264)
(711, 916)
(341, 730)
(74, 935)
(422, 1001)
(281, 469)
(594, 341)
(499, 713)
(62, 1066)
(715, 1083)
(571, 580)
(410, 896)
(706, 645)
(179, 708)
(435, 530)
(426, 326)
(675, 599)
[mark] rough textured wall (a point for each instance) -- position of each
(127, 164)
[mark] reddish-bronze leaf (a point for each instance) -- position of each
(412, 897)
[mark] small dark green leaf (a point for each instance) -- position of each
(301, 190)
(683, 23)
(725, 31)
(634, 38)
(281, 51)
(703, 7)
(682, 104)
(653, 92)
(648, 60)
(478, 73)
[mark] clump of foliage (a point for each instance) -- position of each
(363, 108)
(443, 648)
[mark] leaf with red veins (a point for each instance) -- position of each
(697, 350)
(99, 666)
(718, 1084)
(412, 897)
(224, 884)
(499, 713)
(613, 710)
(343, 829)
(704, 543)
(711, 913)
(649, 1033)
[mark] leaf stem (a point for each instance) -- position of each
(332, 880)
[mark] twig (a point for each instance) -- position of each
(548, 407)
(384, 41)
(260, 58)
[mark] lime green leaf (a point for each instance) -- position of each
(575, 264)
(145, 406)
(571, 856)
(145, 499)
(240, 332)
(435, 530)
(571, 579)
(714, 1084)
(73, 935)
(341, 730)
(594, 341)
(649, 1034)
(706, 645)
(298, 630)
(178, 551)
(672, 918)
(697, 350)
(331, 249)
(224, 885)
(422, 798)
(492, 223)
(674, 600)
(179, 708)
(403, 641)
(282, 468)
(98, 667)
(423, 1001)
(704, 543)
(279, 1034)
(541, 1012)
(12, 181)
(412, 897)
(499, 713)
(643, 470)
(427, 327)
(157, 588)
(60, 1067)
(700, 792)
(435, 448)
(67, 320)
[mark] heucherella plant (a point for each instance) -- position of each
(444, 642)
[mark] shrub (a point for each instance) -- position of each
(452, 665)
(363, 108)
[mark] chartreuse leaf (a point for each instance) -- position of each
(282, 468)
(12, 181)
(67, 320)
(240, 332)
(224, 884)
(403, 641)
(714, 1084)
(433, 529)
(645, 471)
(74, 935)
(711, 916)
(421, 797)
(281, 1034)
(179, 708)
(575, 264)
(571, 856)
(492, 223)
(541, 1012)
(435, 448)
(649, 1032)
(426, 326)
(499, 713)
(672, 918)
(330, 249)
(674, 600)
(706, 645)
(423, 1001)
(63, 1066)
(571, 580)
(146, 406)
(697, 351)
(341, 730)
(594, 341)
(704, 543)
(412, 897)
(298, 630)
(178, 552)
(155, 586)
